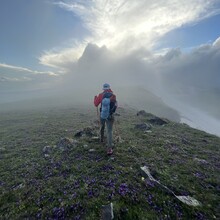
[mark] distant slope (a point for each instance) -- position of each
(140, 98)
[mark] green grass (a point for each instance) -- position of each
(74, 183)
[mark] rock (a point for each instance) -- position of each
(20, 186)
(88, 131)
(185, 141)
(118, 139)
(143, 126)
(47, 149)
(66, 143)
(202, 161)
(117, 114)
(185, 199)
(142, 113)
(96, 124)
(157, 121)
(95, 138)
(78, 134)
(91, 150)
(107, 212)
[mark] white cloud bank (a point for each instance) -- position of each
(127, 25)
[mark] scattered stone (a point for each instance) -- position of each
(46, 155)
(124, 211)
(146, 171)
(205, 141)
(107, 212)
(185, 199)
(117, 114)
(111, 158)
(66, 143)
(78, 134)
(143, 126)
(85, 145)
(185, 141)
(157, 121)
(118, 139)
(96, 124)
(47, 149)
(20, 186)
(202, 161)
(148, 131)
(188, 200)
(142, 113)
(88, 131)
(91, 150)
(95, 138)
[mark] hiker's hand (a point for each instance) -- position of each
(95, 100)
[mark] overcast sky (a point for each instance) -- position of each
(171, 47)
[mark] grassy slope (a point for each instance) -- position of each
(75, 183)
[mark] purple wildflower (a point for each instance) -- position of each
(199, 216)
(90, 194)
(123, 189)
(199, 175)
(107, 168)
(149, 200)
(149, 183)
(38, 215)
(59, 213)
(111, 195)
(110, 184)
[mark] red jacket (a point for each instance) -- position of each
(98, 99)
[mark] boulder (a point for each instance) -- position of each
(107, 212)
(66, 143)
(157, 121)
(88, 131)
(142, 113)
(143, 126)
(47, 149)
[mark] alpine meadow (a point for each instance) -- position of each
(110, 109)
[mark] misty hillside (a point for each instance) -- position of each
(52, 166)
(140, 98)
(131, 96)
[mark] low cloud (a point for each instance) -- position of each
(16, 78)
(125, 26)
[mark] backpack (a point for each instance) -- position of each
(108, 105)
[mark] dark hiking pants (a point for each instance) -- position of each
(109, 123)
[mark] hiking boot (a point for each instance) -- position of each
(110, 151)
(101, 141)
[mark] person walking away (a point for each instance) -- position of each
(107, 100)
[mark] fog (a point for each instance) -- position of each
(177, 85)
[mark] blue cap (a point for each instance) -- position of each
(106, 86)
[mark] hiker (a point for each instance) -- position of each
(108, 106)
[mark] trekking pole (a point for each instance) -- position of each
(116, 128)
(98, 115)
